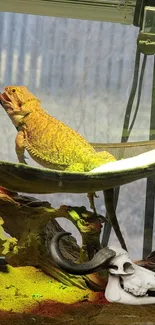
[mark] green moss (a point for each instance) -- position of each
(23, 287)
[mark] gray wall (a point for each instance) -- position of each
(82, 71)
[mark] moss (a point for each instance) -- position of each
(22, 288)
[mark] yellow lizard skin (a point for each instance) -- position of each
(50, 142)
(53, 144)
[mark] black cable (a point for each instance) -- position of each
(139, 94)
(124, 137)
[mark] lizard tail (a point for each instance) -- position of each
(109, 204)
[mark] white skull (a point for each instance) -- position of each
(129, 283)
(121, 264)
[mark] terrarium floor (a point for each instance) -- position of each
(84, 313)
(29, 297)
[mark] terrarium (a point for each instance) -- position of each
(77, 162)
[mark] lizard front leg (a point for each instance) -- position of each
(19, 141)
(91, 197)
(79, 167)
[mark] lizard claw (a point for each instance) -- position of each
(91, 201)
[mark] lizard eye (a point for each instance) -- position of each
(13, 90)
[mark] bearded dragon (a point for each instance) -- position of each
(50, 142)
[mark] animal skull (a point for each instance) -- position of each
(129, 283)
(121, 264)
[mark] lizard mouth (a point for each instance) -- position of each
(8, 103)
(4, 99)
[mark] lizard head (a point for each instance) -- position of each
(15, 100)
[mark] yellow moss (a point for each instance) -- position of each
(10, 244)
(23, 287)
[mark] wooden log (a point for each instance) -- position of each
(31, 224)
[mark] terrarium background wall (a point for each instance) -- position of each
(82, 71)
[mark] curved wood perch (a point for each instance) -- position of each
(26, 179)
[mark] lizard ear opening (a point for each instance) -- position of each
(99, 262)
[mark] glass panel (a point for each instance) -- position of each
(82, 71)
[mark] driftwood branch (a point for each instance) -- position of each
(31, 224)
